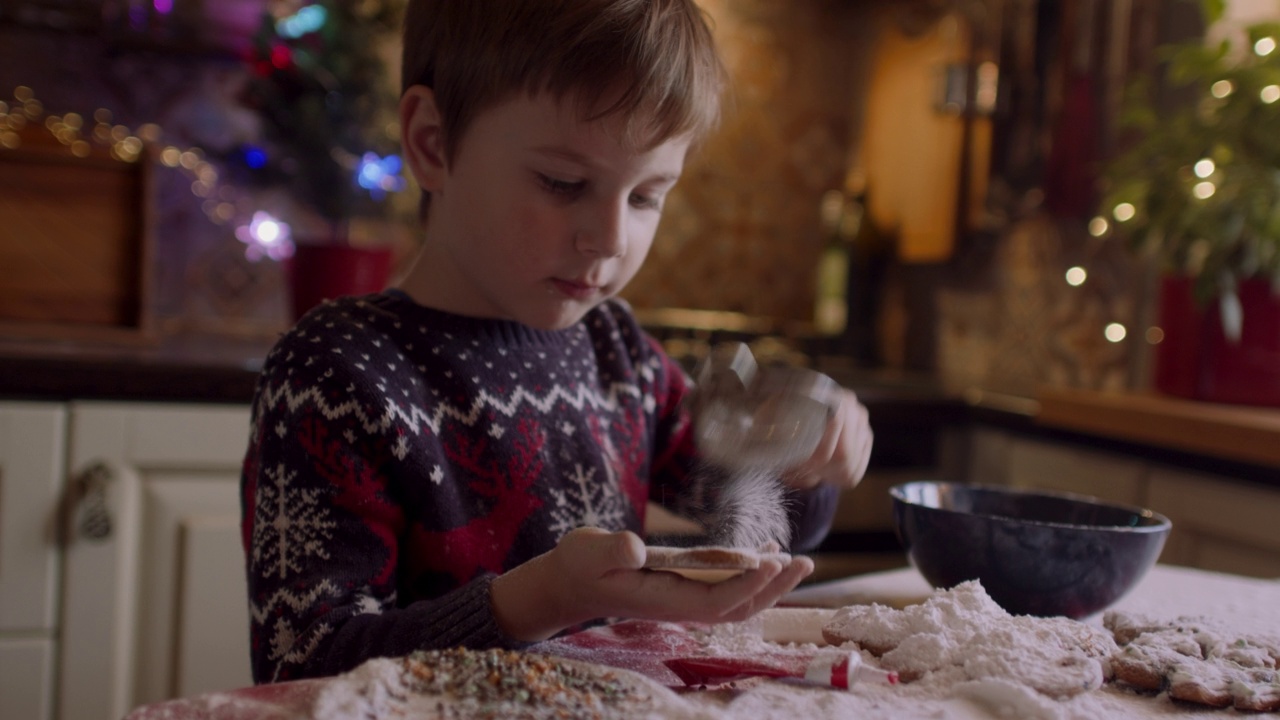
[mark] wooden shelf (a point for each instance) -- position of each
(1234, 432)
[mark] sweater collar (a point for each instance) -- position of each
(503, 333)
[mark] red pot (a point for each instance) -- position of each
(1197, 360)
(321, 272)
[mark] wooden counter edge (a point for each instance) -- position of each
(1234, 432)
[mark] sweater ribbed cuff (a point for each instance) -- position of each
(465, 617)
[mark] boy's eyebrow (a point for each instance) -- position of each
(572, 155)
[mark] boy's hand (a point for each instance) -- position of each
(845, 449)
(593, 574)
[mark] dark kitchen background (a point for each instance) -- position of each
(971, 131)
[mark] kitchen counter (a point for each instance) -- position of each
(910, 408)
(224, 370)
(178, 369)
(1249, 606)
(1232, 432)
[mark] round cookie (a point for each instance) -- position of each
(707, 564)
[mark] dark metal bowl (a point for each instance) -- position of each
(1035, 552)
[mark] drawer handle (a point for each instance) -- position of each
(87, 504)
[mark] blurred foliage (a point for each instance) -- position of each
(1233, 233)
(325, 98)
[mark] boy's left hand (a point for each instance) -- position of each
(843, 453)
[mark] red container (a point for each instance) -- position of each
(321, 272)
(1177, 357)
(1197, 360)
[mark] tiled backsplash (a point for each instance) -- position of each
(741, 230)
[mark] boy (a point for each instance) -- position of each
(465, 459)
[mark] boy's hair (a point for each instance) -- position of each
(653, 61)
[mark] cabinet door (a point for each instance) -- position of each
(1218, 524)
(31, 455)
(1066, 468)
(157, 609)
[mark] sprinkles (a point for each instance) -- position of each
(504, 684)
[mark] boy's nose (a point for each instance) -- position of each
(603, 233)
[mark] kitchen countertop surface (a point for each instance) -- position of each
(1234, 432)
(1240, 440)
(177, 369)
(224, 370)
(1246, 606)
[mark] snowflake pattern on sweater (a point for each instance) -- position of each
(400, 457)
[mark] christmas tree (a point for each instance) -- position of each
(327, 106)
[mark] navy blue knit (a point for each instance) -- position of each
(401, 457)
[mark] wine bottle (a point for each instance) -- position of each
(831, 286)
(871, 255)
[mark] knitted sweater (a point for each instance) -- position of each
(401, 457)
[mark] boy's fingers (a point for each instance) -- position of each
(627, 550)
(783, 583)
(732, 594)
(603, 551)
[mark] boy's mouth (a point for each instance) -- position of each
(576, 289)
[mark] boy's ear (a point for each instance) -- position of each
(422, 137)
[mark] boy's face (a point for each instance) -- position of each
(540, 216)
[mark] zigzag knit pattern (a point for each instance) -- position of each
(401, 456)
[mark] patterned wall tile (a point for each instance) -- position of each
(741, 231)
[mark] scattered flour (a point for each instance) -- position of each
(972, 661)
(751, 510)
(962, 635)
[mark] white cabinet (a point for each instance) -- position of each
(1227, 526)
(1056, 466)
(92, 627)
(159, 608)
(32, 453)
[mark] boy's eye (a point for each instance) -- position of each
(645, 202)
(560, 187)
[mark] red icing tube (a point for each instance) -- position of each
(838, 670)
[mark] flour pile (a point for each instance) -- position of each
(962, 634)
(962, 656)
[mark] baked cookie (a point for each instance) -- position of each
(706, 564)
(1195, 660)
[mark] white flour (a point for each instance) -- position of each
(392, 688)
(975, 662)
(751, 510)
(972, 659)
(963, 635)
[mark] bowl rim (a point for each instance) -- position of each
(1162, 522)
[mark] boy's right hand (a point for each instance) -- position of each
(593, 573)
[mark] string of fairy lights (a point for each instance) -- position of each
(1203, 179)
(263, 235)
(223, 200)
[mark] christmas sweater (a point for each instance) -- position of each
(401, 457)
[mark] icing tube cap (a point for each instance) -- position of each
(837, 670)
(845, 670)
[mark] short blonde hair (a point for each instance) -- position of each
(653, 61)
